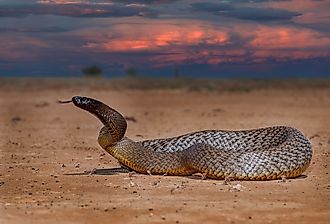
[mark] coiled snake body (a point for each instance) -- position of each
(258, 154)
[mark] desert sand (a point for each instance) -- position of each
(46, 147)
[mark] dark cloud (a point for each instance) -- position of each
(246, 13)
(212, 7)
(17, 2)
(258, 1)
(77, 10)
(260, 14)
(52, 29)
(145, 1)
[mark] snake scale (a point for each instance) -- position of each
(257, 154)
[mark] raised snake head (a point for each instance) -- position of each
(115, 124)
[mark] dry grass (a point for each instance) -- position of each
(142, 83)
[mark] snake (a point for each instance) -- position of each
(266, 153)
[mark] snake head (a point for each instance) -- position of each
(84, 102)
(93, 106)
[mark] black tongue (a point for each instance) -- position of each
(64, 101)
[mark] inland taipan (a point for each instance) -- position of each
(257, 154)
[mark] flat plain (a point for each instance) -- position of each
(46, 147)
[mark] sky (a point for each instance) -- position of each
(252, 38)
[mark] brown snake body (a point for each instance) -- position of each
(258, 154)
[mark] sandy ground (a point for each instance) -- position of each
(41, 142)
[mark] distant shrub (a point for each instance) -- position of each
(92, 71)
(176, 73)
(131, 72)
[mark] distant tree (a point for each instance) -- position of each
(92, 71)
(131, 72)
(176, 72)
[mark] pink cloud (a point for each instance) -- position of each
(287, 43)
(20, 48)
(191, 41)
(174, 41)
(155, 36)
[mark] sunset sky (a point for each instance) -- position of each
(279, 38)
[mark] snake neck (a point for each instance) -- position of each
(121, 150)
(115, 149)
(106, 138)
(114, 122)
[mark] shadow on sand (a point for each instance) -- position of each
(103, 171)
(117, 170)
